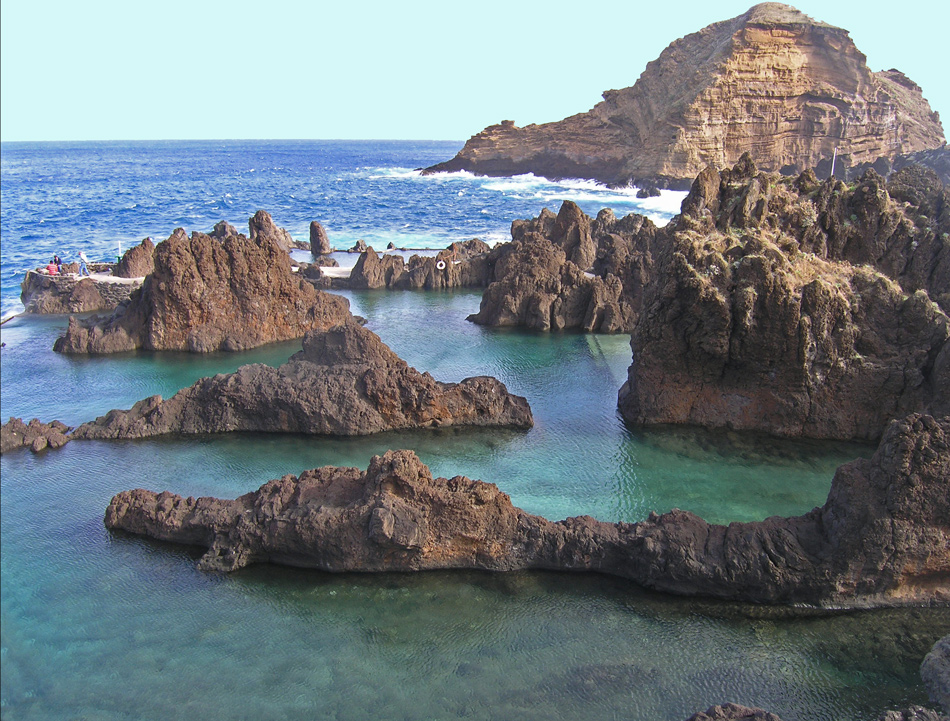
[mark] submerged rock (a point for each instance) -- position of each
(772, 82)
(733, 712)
(345, 381)
(912, 713)
(206, 295)
(882, 538)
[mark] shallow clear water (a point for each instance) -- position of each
(107, 626)
(99, 625)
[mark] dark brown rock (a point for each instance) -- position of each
(935, 672)
(35, 435)
(345, 381)
(223, 229)
(733, 712)
(462, 265)
(569, 272)
(319, 242)
(372, 270)
(772, 82)
(137, 262)
(261, 225)
(795, 308)
(207, 295)
(882, 538)
(468, 249)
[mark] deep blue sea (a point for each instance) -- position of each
(103, 626)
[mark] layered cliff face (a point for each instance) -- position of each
(345, 381)
(771, 82)
(882, 538)
(208, 293)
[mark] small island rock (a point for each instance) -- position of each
(345, 381)
(205, 295)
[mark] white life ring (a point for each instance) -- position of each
(440, 265)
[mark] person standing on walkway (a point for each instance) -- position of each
(83, 260)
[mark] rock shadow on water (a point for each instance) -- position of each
(708, 445)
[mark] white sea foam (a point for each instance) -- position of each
(552, 193)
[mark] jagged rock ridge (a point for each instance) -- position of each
(771, 82)
(882, 537)
(345, 381)
(797, 307)
(212, 292)
(35, 435)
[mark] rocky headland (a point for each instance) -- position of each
(881, 539)
(207, 293)
(772, 82)
(796, 307)
(345, 381)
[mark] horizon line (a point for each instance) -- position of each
(231, 140)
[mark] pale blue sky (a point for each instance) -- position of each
(421, 69)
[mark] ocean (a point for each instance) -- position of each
(108, 626)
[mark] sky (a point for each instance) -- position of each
(415, 69)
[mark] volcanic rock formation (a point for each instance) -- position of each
(68, 293)
(570, 272)
(345, 381)
(771, 82)
(261, 225)
(882, 538)
(320, 247)
(461, 265)
(797, 307)
(36, 435)
(138, 261)
(207, 294)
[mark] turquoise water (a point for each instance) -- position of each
(101, 626)
(107, 626)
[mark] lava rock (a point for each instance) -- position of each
(207, 295)
(881, 538)
(36, 435)
(137, 262)
(345, 381)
